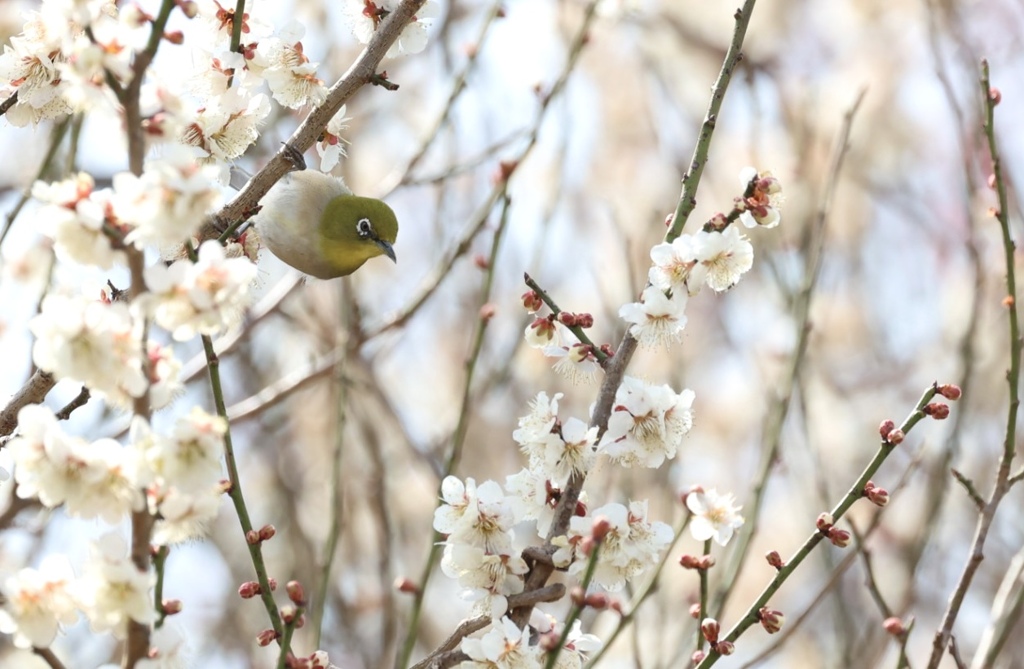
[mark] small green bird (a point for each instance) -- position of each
(313, 222)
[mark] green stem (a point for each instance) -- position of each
(235, 493)
(576, 610)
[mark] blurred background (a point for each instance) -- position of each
(347, 396)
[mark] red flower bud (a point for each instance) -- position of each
(724, 647)
(296, 592)
(267, 532)
(894, 626)
(774, 559)
(838, 537)
(950, 391)
(266, 637)
(771, 620)
(886, 428)
(249, 589)
(406, 585)
(710, 628)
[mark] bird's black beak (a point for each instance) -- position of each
(387, 249)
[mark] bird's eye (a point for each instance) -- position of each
(364, 228)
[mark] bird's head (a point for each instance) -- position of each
(354, 229)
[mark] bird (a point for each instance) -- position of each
(313, 222)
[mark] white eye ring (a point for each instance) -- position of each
(363, 227)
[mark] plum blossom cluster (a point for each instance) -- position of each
(177, 475)
(180, 474)
(574, 360)
(39, 603)
(364, 16)
(718, 256)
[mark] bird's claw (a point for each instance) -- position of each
(294, 157)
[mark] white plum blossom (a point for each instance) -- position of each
(476, 515)
(190, 458)
(531, 495)
(37, 603)
(543, 332)
(363, 17)
(537, 429)
(714, 516)
(168, 649)
(577, 363)
(657, 318)
(166, 205)
(228, 125)
(722, 258)
(28, 66)
(331, 145)
(91, 341)
(577, 644)
(504, 646)
(572, 453)
(288, 72)
(647, 424)
(90, 479)
(486, 579)
(631, 546)
(112, 590)
(74, 216)
(761, 208)
(183, 516)
(672, 264)
(203, 297)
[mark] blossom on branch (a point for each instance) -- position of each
(714, 516)
(647, 424)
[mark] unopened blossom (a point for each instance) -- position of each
(204, 297)
(647, 424)
(631, 545)
(364, 16)
(92, 342)
(228, 125)
(722, 258)
(37, 603)
(168, 202)
(74, 217)
(288, 72)
(331, 145)
(475, 515)
(657, 318)
(112, 590)
(542, 332)
(714, 516)
(762, 206)
(504, 646)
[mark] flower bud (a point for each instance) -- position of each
(266, 637)
(995, 96)
(406, 585)
(319, 660)
(771, 620)
(878, 496)
(894, 626)
(896, 437)
(706, 562)
(697, 657)
(838, 537)
(171, 606)
(585, 320)
(487, 311)
(252, 537)
(532, 301)
(249, 589)
(710, 628)
(886, 428)
(607, 350)
(950, 391)
(567, 318)
(824, 521)
(725, 647)
(578, 596)
(289, 613)
(695, 611)
(936, 410)
(175, 37)
(295, 592)
(774, 559)
(481, 262)
(267, 532)
(689, 561)
(598, 601)
(273, 583)
(601, 527)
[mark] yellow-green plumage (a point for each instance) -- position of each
(314, 223)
